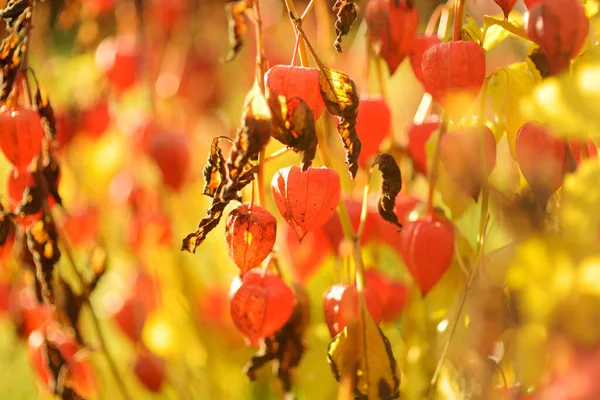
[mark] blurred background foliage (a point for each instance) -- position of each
(115, 78)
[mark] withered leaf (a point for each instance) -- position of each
(69, 307)
(364, 355)
(294, 125)
(251, 138)
(45, 171)
(15, 9)
(6, 225)
(208, 223)
(57, 365)
(390, 187)
(237, 25)
(45, 110)
(42, 241)
(346, 15)
(341, 99)
(287, 345)
(539, 61)
(70, 394)
(214, 171)
(51, 174)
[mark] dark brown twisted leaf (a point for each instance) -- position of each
(6, 225)
(364, 355)
(390, 187)
(294, 125)
(45, 110)
(46, 172)
(250, 140)
(51, 174)
(208, 223)
(237, 25)
(15, 9)
(341, 99)
(42, 241)
(346, 15)
(57, 365)
(287, 345)
(70, 394)
(68, 306)
(214, 171)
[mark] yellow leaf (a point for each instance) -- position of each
(496, 30)
(508, 86)
(471, 31)
(365, 356)
(580, 198)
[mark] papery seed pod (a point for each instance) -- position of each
(260, 304)
(560, 27)
(460, 153)
(427, 248)
(393, 294)
(418, 135)
(306, 200)
(21, 134)
(291, 81)
(341, 306)
(453, 73)
(541, 157)
(420, 45)
(392, 26)
(506, 6)
(250, 236)
(373, 125)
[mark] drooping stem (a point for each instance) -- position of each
(261, 178)
(433, 168)
(364, 209)
(260, 55)
(95, 320)
(459, 16)
(277, 154)
(295, 20)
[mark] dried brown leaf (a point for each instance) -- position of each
(237, 25)
(42, 241)
(68, 305)
(57, 365)
(287, 345)
(45, 110)
(346, 15)
(214, 171)
(390, 187)
(294, 125)
(341, 100)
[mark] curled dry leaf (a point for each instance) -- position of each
(392, 26)
(250, 236)
(390, 187)
(57, 365)
(6, 225)
(237, 25)
(341, 100)
(240, 166)
(260, 305)
(42, 241)
(45, 110)
(214, 171)
(287, 345)
(346, 15)
(364, 355)
(294, 125)
(68, 307)
(306, 200)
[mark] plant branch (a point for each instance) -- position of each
(95, 320)
(260, 55)
(433, 169)
(295, 21)
(459, 16)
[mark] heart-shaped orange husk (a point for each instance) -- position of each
(260, 305)
(250, 236)
(306, 199)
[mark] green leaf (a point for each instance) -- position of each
(365, 356)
